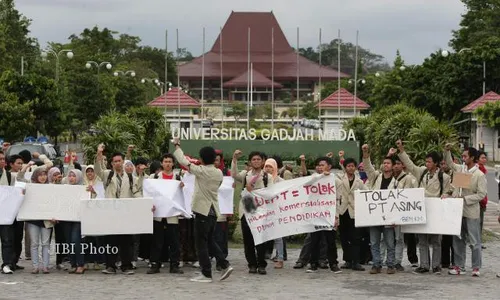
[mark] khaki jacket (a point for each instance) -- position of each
(170, 220)
(473, 195)
(406, 181)
(375, 177)
(240, 176)
(111, 189)
(347, 193)
(430, 184)
(206, 186)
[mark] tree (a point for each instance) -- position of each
(310, 111)
(237, 111)
(489, 114)
(14, 39)
(17, 119)
(421, 132)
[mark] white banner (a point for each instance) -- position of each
(52, 201)
(11, 199)
(226, 196)
(444, 216)
(99, 189)
(300, 205)
(226, 193)
(117, 216)
(167, 197)
(389, 207)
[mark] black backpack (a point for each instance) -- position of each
(265, 179)
(130, 180)
(440, 177)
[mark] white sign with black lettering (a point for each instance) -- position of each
(389, 207)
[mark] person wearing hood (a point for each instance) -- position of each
(39, 231)
(73, 231)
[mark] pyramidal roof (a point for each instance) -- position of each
(481, 101)
(346, 100)
(174, 97)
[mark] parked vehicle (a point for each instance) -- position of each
(47, 149)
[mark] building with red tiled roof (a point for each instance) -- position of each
(483, 137)
(178, 107)
(235, 67)
(349, 105)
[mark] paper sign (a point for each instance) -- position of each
(444, 216)
(99, 190)
(461, 180)
(167, 196)
(389, 207)
(117, 216)
(188, 190)
(11, 199)
(52, 201)
(226, 196)
(290, 207)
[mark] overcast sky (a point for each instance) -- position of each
(416, 27)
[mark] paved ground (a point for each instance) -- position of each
(278, 284)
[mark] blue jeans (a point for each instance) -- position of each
(471, 233)
(74, 237)
(278, 244)
(375, 238)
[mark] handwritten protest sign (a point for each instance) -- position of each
(11, 199)
(52, 201)
(300, 205)
(444, 216)
(167, 197)
(117, 216)
(389, 207)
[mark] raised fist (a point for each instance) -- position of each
(341, 153)
(176, 141)
(130, 147)
(399, 143)
(447, 147)
(392, 151)
(329, 154)
(302, 157)
(237, 154)
(100, 148)
(365, 148)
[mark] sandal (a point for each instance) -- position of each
(45, 271)
(35, 271)
(80, 271)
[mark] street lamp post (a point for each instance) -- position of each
(89, 65)
(124, 73)
(45, 54)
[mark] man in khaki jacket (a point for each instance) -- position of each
(118, 184)
(471, 222)
(166, 230)
(205, 207)
(350, 236)
(436, 184)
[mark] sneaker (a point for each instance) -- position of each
(128, 272)
(252, 270)
(153, 270)
(436, 270)
(109, 271)
(181, 264)
(298, 265)
(335, 269)
(6, 270)
(414, 265)
(399, 268)
(475, 272)
(134, 265)
(456, 271)
(391, 270)
(218, 268)
(323, 265)
(376, 270)
(346, 266)
(420, 270)
(201, 278)
(262, 271)
(358, 267)
(18, 267)
(118, 264)
(196, 264)
(226, 273)
(312, 269)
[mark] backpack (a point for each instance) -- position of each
(130, 180)
(440, 177)
(398, 181)
(265, 179)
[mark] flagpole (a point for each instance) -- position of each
(298, 81)
(356, 73)
(178, 84)
(166, 74)
(320, 87)
(248, 82)
(203, 79)
(251, 85)
(221, 79)
(338, 79)
(272, 79)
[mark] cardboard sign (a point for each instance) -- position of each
(389, 207)
(461, 180)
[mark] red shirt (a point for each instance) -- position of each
(165, 176)
(483, 202)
